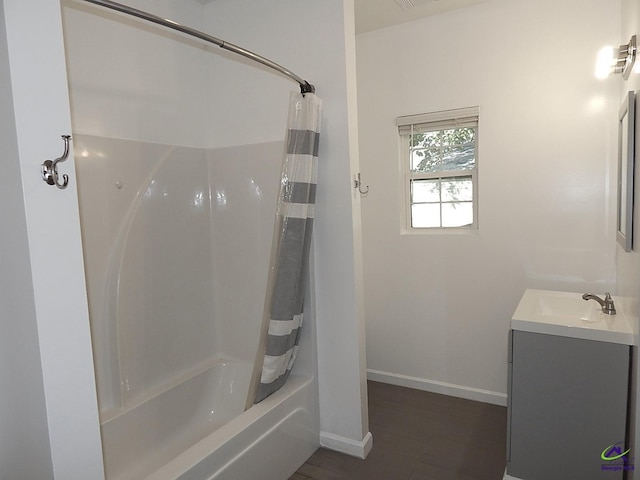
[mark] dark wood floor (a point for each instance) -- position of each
(420, 436)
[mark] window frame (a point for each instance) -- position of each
(436, 121)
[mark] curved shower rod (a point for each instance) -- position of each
(305, 87)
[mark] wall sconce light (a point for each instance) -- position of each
(617, 60)
(626, 58)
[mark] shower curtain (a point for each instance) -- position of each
(289, 262)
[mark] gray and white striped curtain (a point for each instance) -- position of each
(294, 223)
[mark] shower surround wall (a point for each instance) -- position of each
(174, 238)
(177, 243)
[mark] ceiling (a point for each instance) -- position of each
(376, 14)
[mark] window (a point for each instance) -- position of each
(439, 166)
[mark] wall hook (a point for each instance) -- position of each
(358, 184)
(50, 167)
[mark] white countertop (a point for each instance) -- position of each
(568, 315)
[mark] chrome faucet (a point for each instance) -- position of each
(607, 304)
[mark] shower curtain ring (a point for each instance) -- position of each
(50, 167)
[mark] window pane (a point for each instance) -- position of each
(425, 215)
(457, 214)
(448, 137)
(457, 189)
(425, 191)
(444, 150)
(426, 139)
(458, 136)
(461, 157)
(426, 160)
(417, 157)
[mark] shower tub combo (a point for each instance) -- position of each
(177, 245)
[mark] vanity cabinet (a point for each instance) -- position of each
(567, 403)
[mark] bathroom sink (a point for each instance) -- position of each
(567, 314)
(565, 308)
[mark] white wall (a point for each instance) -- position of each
(628, 264)
(38, 88)
(438, 305)
(24, 441)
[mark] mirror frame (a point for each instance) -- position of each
(626, 161)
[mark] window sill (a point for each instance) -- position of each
(440, 231)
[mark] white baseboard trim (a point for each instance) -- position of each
(509, 477)
(434, 386)
(351, 447)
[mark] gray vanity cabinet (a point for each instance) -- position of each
(567, 403)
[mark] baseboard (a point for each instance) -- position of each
(509, 477)
(470, 393)
(351, 447)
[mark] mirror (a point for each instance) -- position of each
(626, 143)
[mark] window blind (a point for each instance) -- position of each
(446, 119)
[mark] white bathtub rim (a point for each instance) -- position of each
(283, 400)
(287, 418)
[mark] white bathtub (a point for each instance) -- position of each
(267, 442)
(196, 430)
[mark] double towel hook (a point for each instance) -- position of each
(50, 167)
